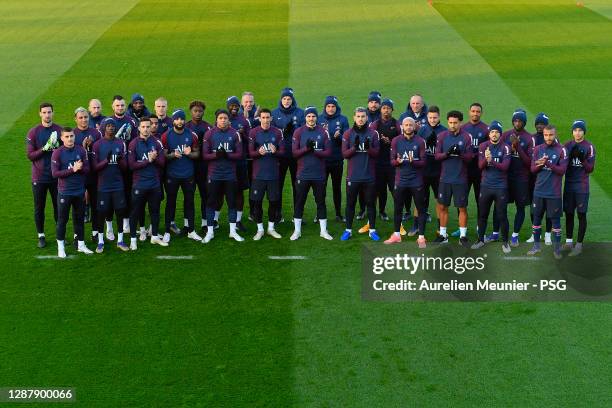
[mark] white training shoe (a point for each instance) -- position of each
(166, 238)
(208, 237)
(530, 240)
(274, 234)
(194, 235)
(150, 231)
(158, 241)
(547, 240)
(134, 246)
(83, 249)
(259, 235)
(295, 236)
(110, 235)
(236, 236)
(143, 235)
(325, 234)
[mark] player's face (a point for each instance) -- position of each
(68, 139)
(161, 109)
(416, 103)
(154, 125)
(222, 121)
(549, 136)
(475, 113)
(82, 120)
(311, 120)
(265, 119)
(433, 118)
(119, 107)
(408, 127)
(109, 130)
(494, 136)
(144, 128)
(138, 105)
(578, 135)
(373, 106)
(286, 101)
(178, 123)
(46, 115)
(233, 109)
(453, 124)
(197, 112)
(386, 112)
(247, 102)
(330, 109)
(540, 127)
(360, 118)
(95, 108)
(518, 124)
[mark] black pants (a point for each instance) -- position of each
(216, 190)
(335, 171)
(402, 197)
(39, 190)
(284, 164)
(200, 180)
(486, 198)
(140, 198)
(92, 191)
(301, 192)
(172, 188)
(64, 203)
(385, 179)
(353, 190)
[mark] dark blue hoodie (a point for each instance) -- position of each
(137, 115)
(292, 116)
(409, 113)
(335, 124)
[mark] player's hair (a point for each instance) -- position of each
(66, 129)
(221, 112)
(417, 95)
(247, 93)
(80, 109)
(161, 99)
(455, 114)
(145, 119)
(361, 109)
(195, 103)
(117, 98)
(45, 105)
(476, 104)
(550, 127)
(434, 109)
(265, 110)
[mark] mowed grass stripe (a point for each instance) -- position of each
(40, 40)
(419, 354)
(128, 329)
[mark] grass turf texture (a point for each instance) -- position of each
(232, 327)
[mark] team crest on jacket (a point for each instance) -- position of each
(460, 143)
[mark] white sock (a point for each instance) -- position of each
(297, 223)
(60, 245)
(260, 227)
(143, 230)
(462, 232)
(109, 225)
(204, 222)
(515, 234)
(41, 234)
(210, 230)
(569, 240)
(81, 244)
(372, 230)
(185, 222)
(323, 224)
(238, 216)
(100, 238)
(397, 234)
(349, 230)
(126, 223)
(421, 236)
(120, 237)
(133, 240)
(270, 226)
(547, 235)
(443, 231)
(497, 232)
(217, 215)
(232, 228)
(94, 234)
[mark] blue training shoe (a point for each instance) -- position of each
(100, 248)
(374, 236)
(123, 246)
(346, 235)
(492, 237)
(456, 234)
(514, 241)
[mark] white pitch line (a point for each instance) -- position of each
(171, 257)
(274, 257)
(53, 257)
(522, 258)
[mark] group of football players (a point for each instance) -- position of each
(116, 166)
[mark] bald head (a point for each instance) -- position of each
(95, 108)
(416, 103)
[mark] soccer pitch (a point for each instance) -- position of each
(232, 327)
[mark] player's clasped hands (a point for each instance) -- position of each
(78, 165)
(152, 155)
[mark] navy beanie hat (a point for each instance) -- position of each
(387, 102)
(521, 115)
(287, 92)
(375, 96)
(137, 97)
(331, 100)
(232, 100)
(309, 110)
(495, 125)
(579, 124)
(178, 114)
(541, 118)
(107, 121)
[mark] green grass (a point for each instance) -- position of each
(232, 327)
